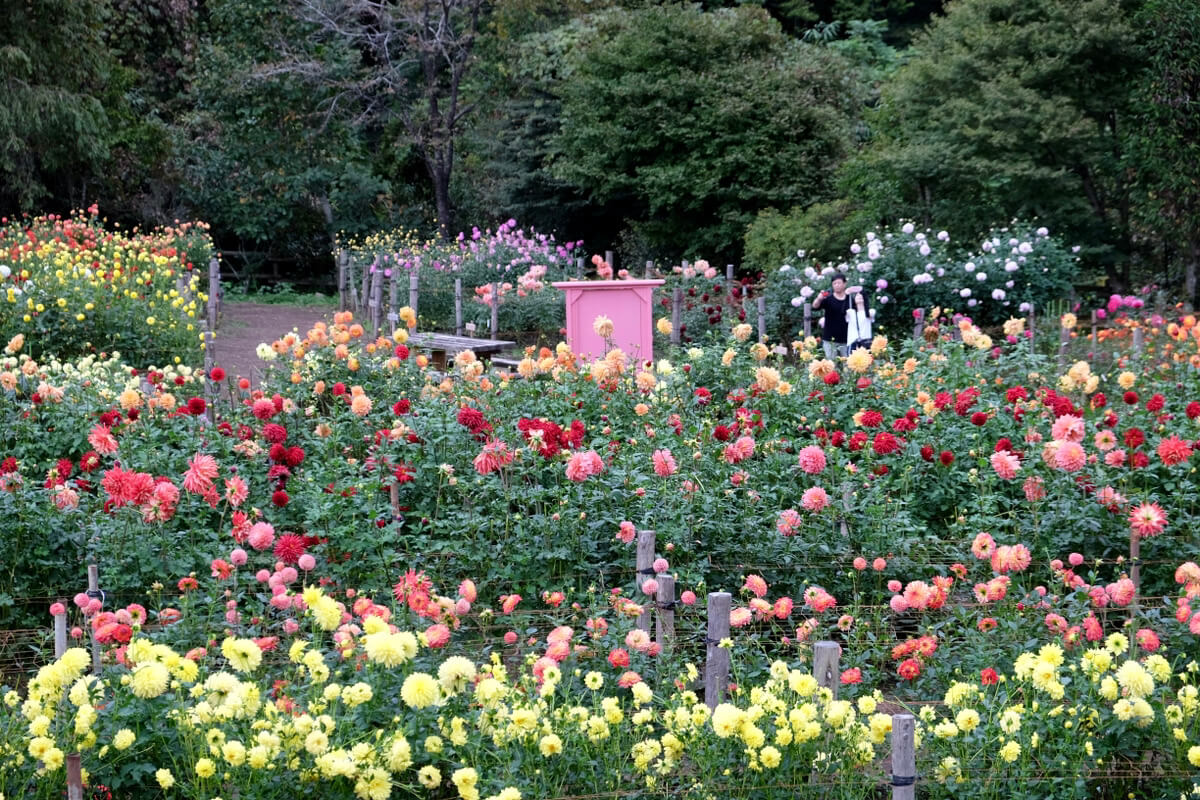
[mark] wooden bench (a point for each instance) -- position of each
(444, 347)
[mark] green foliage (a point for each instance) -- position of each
(72, 286)
(1163, 138)
(54, 129)
(691, 122)
(1010, 108)
(822, 229)
(265, 150)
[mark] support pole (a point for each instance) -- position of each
(645, 569)
(458, 307)
(95, 593)
(665, 618)
(676, 313)
(904, 758)
(825, 665)
(495, 310)
(716, 665)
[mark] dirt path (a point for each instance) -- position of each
(243, 326)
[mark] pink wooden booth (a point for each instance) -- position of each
(630, 306)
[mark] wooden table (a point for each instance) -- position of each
(444, 346)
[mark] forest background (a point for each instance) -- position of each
(733, 131)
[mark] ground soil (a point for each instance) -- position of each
(241, 327)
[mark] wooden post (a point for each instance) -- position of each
(414, 279)
(214, 292)
(394, 496)
(393, 313)
(608, 259)
(1093, 334)
(1064, 339)
(807, 319)
(94, 592)
(729, 273)
(716, 665)
(376, 300)
(649, 269)
(366, 286)
(846, 493)
(1135, 567)
(458, 307)
(1032, 334)
(1137, 341)
(825, 665)
(664, 627)
(645, 568)
(74, 777)
(918, 324)
(60, 634)
(579, 268)
(343, 268)
(495, 310)
(676, 313)
(210, 360)
(761, 304)
(904, 757)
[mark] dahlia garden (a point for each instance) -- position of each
(368, 577)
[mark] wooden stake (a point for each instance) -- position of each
(664, 628)
(716, 665)
(761, 304)
(1064, 339)
(904, 759)
(366, 286)
(394, 496)
(343, 268)
(74, 777)
(214, 292)
(458, 307)
(807, 319)
(825, 665)
(918, 324)
(495, 310)
(60, 634)
(729, 273)
(1137, 341)
(608, 259)
(393, 313)
(645, 568)
(676, 313)
(94, 592)
(376, 300)
(649, 269)
(579, 268)
(413, 290)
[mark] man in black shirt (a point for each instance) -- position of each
(835, 305)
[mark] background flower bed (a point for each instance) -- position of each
(713, 448)
(73, 286)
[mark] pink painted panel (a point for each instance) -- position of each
(630, 306)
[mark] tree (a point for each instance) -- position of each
(266, 152)
(690, 122)
(54, 128)
(1164, 135)
(1011, 108)
(416, 55)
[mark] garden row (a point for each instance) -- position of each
(952, 511)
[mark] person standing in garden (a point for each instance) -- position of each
(835, 305)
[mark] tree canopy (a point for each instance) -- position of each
(694, 121)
